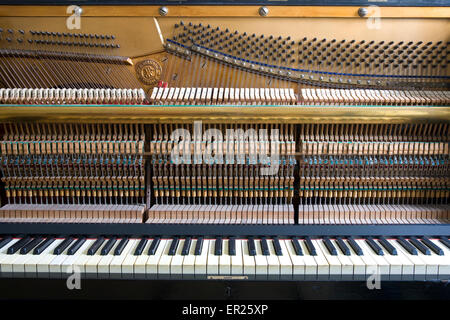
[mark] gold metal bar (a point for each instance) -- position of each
(225, 11)
(223, 114)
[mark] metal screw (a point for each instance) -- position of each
(263, 11)
(163, 11)
(362, 12)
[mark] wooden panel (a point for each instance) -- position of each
(227, 11)
(138, 37)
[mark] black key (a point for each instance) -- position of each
(63, 246)
(218, 246)
(277, 246)
(30, 245)
(173, 246)
(297, 247)
(95, 246)
(140, 247)
(310, 247)
(331, 249)
(264, 247)
(232, 246)
(443, 240)
(251, 247)
(408, 247)
(76, 246)
(122, 244)
(5, 241)
(108, 246)
(186, 246)
(198, 246)
(154, 246)
(44, 245)
(432, 246)
(419, 246)
(341, 244)
(375, 247)
(18, 245)
(355, 246)
(389, 247)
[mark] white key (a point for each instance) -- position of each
(212, 265)
(105, 260)
(283, 260)
(166, 259)
(225, 259)
(90, 267)
(31, 264)
(297, 262)
(201, 259)
(249, 261)
(67, 267)
(403, 261)
(346, 263)
(273, 262)
(130, 260)
(359, 266)
(382, 266)
(176, 265)
(314, 265)
(333, 261)
(115, 267)
(82, 257)
(443, 261)
(151, 267)
(3, 252)
(260, 260)
(55, 266)
(395, 263)
(189, 260)
(141, 260)
(7, 260)
(18, 265)
(237, 263)
(321, 266)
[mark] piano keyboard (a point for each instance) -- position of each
(340, 258)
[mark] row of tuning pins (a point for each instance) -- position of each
(415, 58)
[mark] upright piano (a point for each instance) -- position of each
(192, 142)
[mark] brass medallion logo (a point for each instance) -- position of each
(148, 72)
